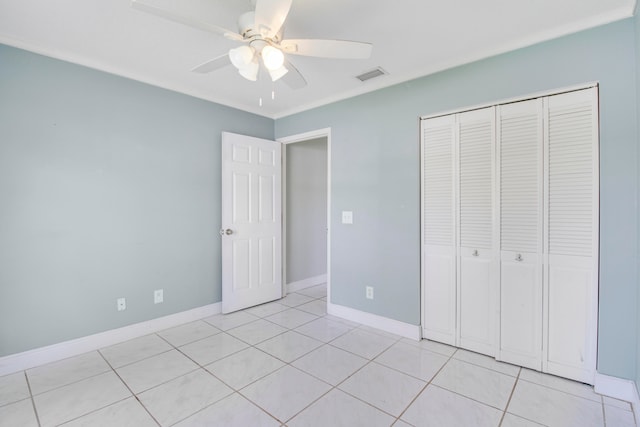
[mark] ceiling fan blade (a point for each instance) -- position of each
(186, 20)
(270, 15)
(293, 78)
(213, 64)
(327, 48)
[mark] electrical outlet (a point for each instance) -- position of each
(121, 304)
(158, 296)
(347, 217)
(369, 292)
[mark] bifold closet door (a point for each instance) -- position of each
(520, 166)
(510, 232)
(571, 235)
(477, 278)
(438, 230)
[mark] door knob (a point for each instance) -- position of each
(475, 253)
(227, 231)
(519, 257)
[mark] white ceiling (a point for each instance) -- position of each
(411, 38)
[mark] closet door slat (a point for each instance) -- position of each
(570, 139)
(476, 181)
(438, 185)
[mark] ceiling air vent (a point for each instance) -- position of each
(376, 72)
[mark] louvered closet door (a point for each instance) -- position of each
(571, 235)
(438, 230)
(519, 144)
(477, 260)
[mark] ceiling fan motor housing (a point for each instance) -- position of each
(247, 27)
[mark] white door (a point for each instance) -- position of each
(438, 230)
(571, 235)
(251, 230)
(477, 274)
(519, 144)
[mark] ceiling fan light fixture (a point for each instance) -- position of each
(241, 56)
(272, 57)
(278, 73)
(250, 71)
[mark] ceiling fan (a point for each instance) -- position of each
(261, 32)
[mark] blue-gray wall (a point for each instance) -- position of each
(108, 188)
(375, 174)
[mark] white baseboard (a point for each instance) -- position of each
(618, 388)
(306, 283)
(52, 353)
(406, 330)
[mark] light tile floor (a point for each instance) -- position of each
(289, 363)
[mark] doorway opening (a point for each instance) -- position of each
(305, 208)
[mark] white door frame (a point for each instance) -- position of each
(301, 137)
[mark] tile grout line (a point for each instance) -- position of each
(238, 391)
(110, 369)
(163, 382)
(233, 389)
(428, 383)
(335, 387)
(311, 375)
(493, 359)
(282, 367)
(291, 366)
(561, 391)
(135, 396)
(369, 361)
(134, 362)
(33, 400)
(513, 389)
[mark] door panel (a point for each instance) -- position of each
(521, 310)
(570, 342)
(251, 221)
(439, 297)
(477, 305)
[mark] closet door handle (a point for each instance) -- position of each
(475, 253)
(519, 257)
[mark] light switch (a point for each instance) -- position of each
(347, 217)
